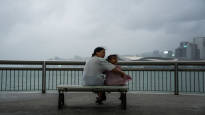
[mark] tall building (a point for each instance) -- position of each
(180, 52)
(193, 52)
(200, 41)
(187, 51)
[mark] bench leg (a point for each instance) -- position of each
(63, 99)
(123, 101)
(60, 99)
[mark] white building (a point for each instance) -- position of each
(200, 41)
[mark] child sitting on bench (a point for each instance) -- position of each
(113, 78)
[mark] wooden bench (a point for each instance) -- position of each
(67, 88)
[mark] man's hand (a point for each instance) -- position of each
(117, 70)
(123, 75)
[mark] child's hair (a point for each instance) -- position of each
(111, 56)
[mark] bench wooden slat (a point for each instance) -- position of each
(92, 88)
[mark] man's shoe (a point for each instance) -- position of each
(99, 100)
(104, 96)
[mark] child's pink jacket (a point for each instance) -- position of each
(113, 78)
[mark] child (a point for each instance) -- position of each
(113, 78)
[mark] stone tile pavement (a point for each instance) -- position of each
(84, 104)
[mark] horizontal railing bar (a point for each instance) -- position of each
(191, 63)
(191, 70)
(145, 63)
(120, 62)
(65, 63)
(145, 69)
(81, 69)
(21, 62)
(162, 63)
(131, 69)
(59, 69)
(19, 68)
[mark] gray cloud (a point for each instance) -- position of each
(35, 29)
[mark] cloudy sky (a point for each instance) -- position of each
(42, 29)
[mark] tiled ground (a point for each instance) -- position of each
(84, 104)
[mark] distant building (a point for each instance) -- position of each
(187, 51)
(180, 52)
(156, 53)
(163, 54)
(193, 52)
(200, 41)
(167, 54)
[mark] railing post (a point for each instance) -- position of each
(176, 80)
(44, 77)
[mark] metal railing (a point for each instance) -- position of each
(175, 76)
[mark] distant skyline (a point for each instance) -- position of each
(38, 30)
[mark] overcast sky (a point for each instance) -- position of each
(42, 29)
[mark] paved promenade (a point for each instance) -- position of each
(84, 104)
